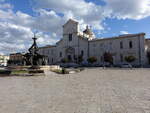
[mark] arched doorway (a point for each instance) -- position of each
(70, 53)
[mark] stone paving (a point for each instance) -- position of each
(90, 91)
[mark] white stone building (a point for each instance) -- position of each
(50, 52)
(75, 44)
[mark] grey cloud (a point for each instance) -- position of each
(128, 9)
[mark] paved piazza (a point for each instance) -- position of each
(91, 91)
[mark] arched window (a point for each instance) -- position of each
(48, 60)
(121, 57)
(121, 45)
(60, 54)
(52, 60)
(70, 37)
(130, 44)
(82, 53)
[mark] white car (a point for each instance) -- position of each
(126, 66)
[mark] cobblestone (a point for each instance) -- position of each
(90, 91)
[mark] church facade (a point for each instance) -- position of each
(77, 46)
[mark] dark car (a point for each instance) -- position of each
(126, 66)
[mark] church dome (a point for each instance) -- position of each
(88, 31)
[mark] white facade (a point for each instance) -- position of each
(113, 45)
(50, 52)
(76, 43)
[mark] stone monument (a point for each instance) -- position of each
(33, 63)
(33, 58)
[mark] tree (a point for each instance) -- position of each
(64, 60)
(130, 59)
(108, 57)
(80, 58)
(92, 60)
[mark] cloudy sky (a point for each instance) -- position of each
(19, 19)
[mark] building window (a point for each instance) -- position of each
(94, 45)
(101, 45)
(52, 60)
(70, 37)
(60, 54)
(82, 53)
(52, 52)
(121, 45)
(69, 58)
(130, 45)
(121, 57)
(48, 61)
(110, 45)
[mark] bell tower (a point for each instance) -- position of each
(70, 27)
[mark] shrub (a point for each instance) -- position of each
(108, 57)
(7, 72)
(130, 59)
(80, 58)
(36, 71)
(92, 60)
(19, 72)
(64, 60)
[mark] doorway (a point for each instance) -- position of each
(69, 58)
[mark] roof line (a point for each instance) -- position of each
(116, 37)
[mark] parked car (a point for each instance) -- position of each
(126, 66)
(84, 64)
(106, 64)
(68, 65)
